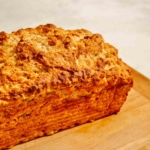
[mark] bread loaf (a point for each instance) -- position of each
(53, 79)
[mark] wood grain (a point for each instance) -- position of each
(129, 129)
(141, 83)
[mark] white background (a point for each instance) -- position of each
(123, 23)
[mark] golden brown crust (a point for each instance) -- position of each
(48, 74)
(47, 56)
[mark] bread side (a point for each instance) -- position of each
(48, 74)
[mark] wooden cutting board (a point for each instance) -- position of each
(128, 130)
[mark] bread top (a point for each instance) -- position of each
(35, 61)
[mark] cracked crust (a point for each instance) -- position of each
(53, 79)
(47, 57)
